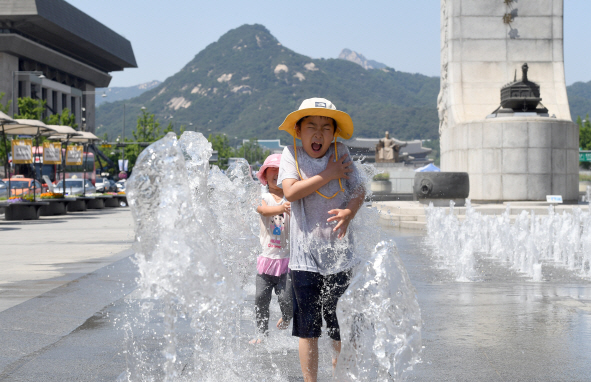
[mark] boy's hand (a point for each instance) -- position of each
(337, 169)
(343, 217)
(287, 208)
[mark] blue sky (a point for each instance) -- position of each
(403, 34)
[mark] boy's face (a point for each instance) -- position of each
(271, 174)
(316, 134)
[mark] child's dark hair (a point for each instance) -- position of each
(299, 123)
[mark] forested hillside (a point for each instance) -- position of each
(247, 82)
(579, 99)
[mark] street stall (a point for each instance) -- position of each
(75, 156)
(59, 204)
(22, 206)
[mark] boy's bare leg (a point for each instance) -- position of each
(336, 350)
(309, 358)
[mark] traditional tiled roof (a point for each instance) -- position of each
(413, 148)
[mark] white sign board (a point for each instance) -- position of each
(52, 153)
(123, 164)
(74, 156)
(554, 198)
(22, 151)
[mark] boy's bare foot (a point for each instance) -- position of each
(256, 341)
(282, 325)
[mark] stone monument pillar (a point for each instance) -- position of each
(524, 155)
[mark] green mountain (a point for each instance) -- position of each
(247, 82)
(113, 94)
(579, 99)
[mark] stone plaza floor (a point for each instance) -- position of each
(63, 314)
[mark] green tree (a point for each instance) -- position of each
(221, 144)
(584, 137)
(65, 119)
(4, 108)
(110, 152)
(29, 108)
(584, 133)
(252, 152)
(147, 130)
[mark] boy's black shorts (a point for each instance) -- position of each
(314, 297)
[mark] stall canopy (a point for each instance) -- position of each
(82, 137)
(428, 168)
(11, 126)
(26, 127)
(61, 131)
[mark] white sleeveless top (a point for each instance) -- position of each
(274, 231)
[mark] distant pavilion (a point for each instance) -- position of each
(366, 147)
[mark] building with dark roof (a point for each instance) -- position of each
(273, 145)
(51, 50)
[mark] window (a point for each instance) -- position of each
(18, 184)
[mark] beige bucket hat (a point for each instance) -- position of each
(323, 108)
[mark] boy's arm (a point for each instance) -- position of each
(295, 189)
(267, 210)
(345, 215)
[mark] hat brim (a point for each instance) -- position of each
(344, 121)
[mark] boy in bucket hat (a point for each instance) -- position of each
(326, 191)
(273, 262)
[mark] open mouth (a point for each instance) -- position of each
(316, 146)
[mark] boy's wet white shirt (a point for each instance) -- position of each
(311, 234)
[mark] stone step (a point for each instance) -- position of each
(423, 219)
(397, 208)
(397, 218)
(412, 225)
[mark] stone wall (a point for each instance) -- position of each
(520, 159)
(401, 176)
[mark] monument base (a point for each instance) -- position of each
(518, 158)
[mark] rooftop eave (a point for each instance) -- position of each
(22, 47)
(61, 26)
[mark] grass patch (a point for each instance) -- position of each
(382, 176)
(584, 178)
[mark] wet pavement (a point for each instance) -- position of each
(504, 328)
(37, 256)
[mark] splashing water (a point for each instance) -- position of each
(559, 239)
(196, 249)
